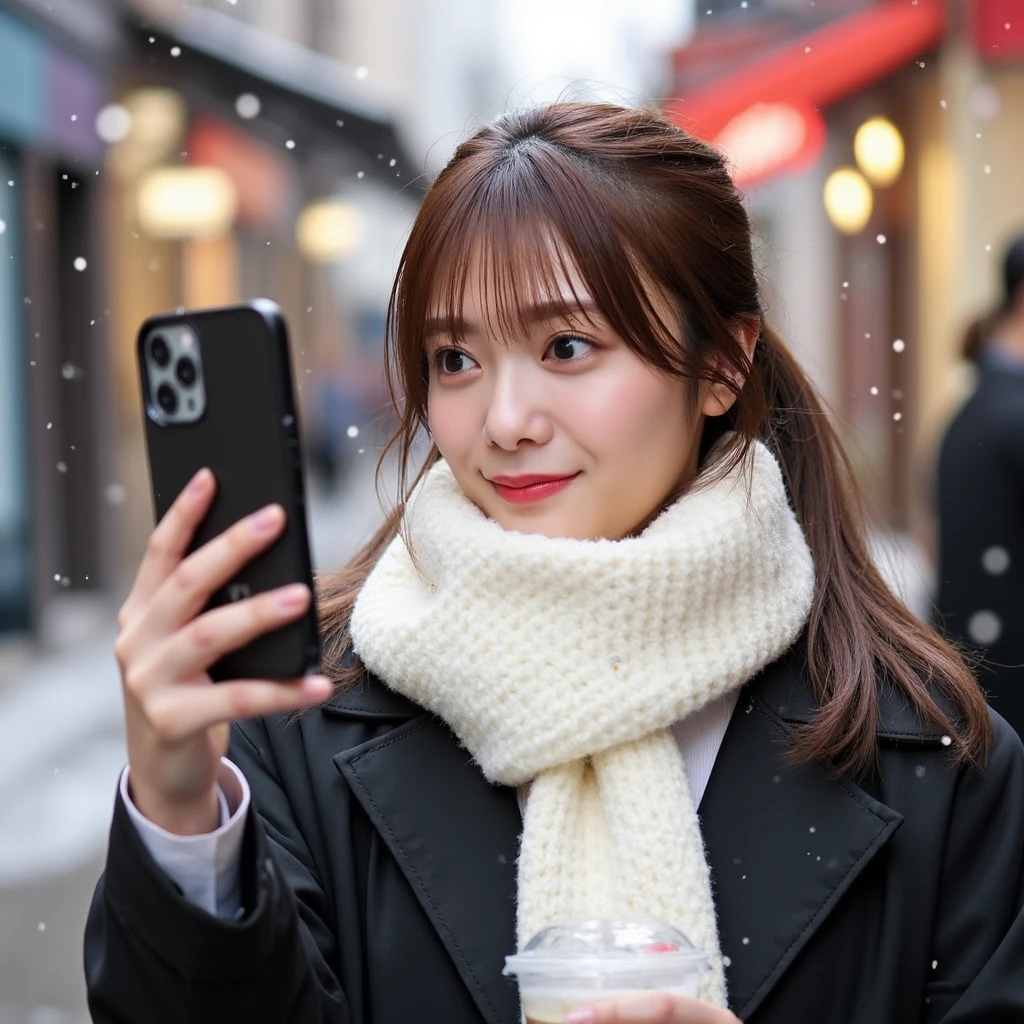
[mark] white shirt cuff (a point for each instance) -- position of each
(206, 868)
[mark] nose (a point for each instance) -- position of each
(516, 412)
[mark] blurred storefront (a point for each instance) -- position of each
(156, 155)
(245, 166)
(879, 145)
(55, 450)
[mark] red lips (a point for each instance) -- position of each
(530, 487)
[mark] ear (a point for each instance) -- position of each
(718, 399)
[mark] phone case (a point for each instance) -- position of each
(248, 435)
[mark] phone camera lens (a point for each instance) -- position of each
(186, 371)
(160, 351)
(167, 399)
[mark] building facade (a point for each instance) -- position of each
(873, 307)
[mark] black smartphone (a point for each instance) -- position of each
(217, 391)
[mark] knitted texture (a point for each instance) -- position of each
(564, 662)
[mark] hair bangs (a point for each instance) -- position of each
(529, 226)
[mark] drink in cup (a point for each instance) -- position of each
(577, 961)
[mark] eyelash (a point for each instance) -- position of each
(439, 356)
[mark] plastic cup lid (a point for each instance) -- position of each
(607, 945)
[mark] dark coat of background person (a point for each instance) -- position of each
(379, 877)
(980, 508)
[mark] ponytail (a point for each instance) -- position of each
(859, 632)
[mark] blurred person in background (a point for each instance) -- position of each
(337, 406)
(980, 601)
(621, 649)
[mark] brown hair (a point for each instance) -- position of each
(633, 199)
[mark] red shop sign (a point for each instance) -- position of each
(998, 29)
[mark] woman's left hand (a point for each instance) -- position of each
(651, 1008)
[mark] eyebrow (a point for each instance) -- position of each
(540, 312)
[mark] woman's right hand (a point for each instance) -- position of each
(177, 718)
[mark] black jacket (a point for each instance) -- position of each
(981, 508)
(379, 877)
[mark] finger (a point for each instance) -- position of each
(177, 713)
(648, 1008)
(191, 650)
(190, 586)
(170, 540)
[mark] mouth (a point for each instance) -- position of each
(529, 488)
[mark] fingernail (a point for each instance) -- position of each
(197, 485)
(581, 1016)
(293, 596)
(266, 519)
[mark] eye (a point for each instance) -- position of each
(569, 348)
(453, 361)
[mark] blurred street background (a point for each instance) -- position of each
(157, 154)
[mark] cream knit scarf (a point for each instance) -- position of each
(564, 663)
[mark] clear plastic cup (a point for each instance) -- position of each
(579, 960)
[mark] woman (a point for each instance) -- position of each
(981, 501)
(622, 649)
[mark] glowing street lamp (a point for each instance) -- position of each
(878, 147)
(186, 202)
(848, 200)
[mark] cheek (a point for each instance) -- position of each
(642, 414)
(449, 422)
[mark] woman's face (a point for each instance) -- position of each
(560, 430)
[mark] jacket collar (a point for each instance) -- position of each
(785, 688)
(784, 841)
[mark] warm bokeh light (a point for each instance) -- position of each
(186, 202)
(327, 231)
(145, 128)
(878, 147)
(848, 200)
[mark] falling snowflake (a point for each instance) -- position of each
(115, 494)
(880, 239)
(248, 106)
(897, 416)
(362, 72)
(290, 144)
(175, 51)
(352, 431)
(70, 372)
(984, 627)
(874, 391)
(80, 263)
(3, 226)
(361, 174)
(995, 560)
(898, 345)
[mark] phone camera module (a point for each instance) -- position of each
(186, 372)
(167, 399)
(160, 351)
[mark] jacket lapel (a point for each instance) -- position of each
(784, 841)
(454, 836)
